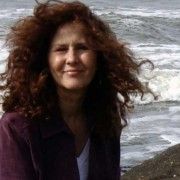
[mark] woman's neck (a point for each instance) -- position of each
(71, 110)
(70, 103)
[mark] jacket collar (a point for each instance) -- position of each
(54, 126)
(57, 125)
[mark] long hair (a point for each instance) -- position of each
(28, 86)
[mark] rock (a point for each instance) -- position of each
(165, 166)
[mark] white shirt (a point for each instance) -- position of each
(83, 161)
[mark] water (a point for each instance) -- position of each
(152, 129)
(152, 30)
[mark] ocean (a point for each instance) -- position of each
(152, 30)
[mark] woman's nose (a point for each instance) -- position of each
(72, 56)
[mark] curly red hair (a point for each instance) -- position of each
(29, 87)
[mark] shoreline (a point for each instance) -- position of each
(165, 166)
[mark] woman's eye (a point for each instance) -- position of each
(82, 47)
(61, 49)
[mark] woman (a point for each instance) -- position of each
(62, 115)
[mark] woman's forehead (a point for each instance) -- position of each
(74, 25)
(69, 32)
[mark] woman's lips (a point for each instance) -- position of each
(73, 72)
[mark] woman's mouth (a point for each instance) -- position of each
(73, 71)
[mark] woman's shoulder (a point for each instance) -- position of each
(15, 123)
(13, 119)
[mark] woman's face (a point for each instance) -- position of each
(72, 62)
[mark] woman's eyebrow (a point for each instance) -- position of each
(60, 44)
(73, 44)
(80, 44)
(57, 45)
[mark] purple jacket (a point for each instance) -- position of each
(46, 151)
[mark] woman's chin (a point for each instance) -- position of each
(75, 87)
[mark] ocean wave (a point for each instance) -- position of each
(14, 13)
(143, 12)
(162, 55)
(165, 83)
(3, 53)
(153, 47)
(144, 29)
(173, 139)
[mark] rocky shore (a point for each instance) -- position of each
(164, 166)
